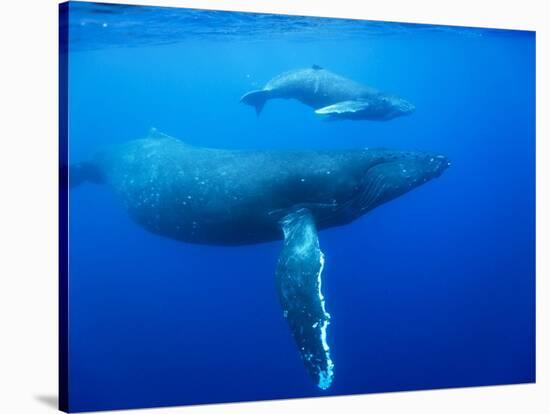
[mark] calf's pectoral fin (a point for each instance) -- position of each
(343, 108)
(299, 273)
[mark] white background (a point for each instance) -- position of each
(28, 205)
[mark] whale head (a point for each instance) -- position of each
(372, 177)
(394, 173)
(368, 178)
(395, 107)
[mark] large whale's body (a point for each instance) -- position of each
(330, 95)
(224, 197)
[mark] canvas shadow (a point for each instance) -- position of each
(48, 400)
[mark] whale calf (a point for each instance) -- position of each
(331, 95)
(228, 197)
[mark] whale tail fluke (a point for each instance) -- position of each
(82, 172)
(257, 99)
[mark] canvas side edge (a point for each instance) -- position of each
(63, 209)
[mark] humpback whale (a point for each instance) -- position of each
(330, 95)
(236, 197)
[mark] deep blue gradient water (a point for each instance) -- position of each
(434, 289)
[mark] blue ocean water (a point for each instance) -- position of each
(434, 289)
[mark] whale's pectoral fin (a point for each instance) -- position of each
(299, 286)
(256, 99)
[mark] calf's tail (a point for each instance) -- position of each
(257, 99)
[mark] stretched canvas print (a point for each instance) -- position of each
(260, 206)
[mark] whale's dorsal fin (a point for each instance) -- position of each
(316, 67)
(299, 286)
(154, 133)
